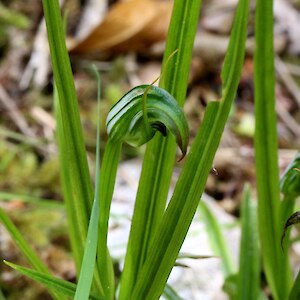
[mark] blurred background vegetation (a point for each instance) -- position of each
(125, 40)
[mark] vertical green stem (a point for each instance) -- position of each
(249, 270)
(106, 187)
(77, 186)
(275, 264)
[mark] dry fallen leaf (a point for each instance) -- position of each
(129, 25)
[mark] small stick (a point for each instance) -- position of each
(14, 113)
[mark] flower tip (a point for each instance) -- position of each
(183, 154)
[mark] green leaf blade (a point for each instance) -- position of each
(267, 171)
(216, 239)
(249, 271)
(52, 283)
(90, 250)
(22, 244)
(295, 292)
(24, 247)
(75, 176)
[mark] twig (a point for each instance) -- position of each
(287, 119)
(14, 113)
(293, 69)
(287, 79)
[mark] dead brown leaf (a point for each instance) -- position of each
(129, 25)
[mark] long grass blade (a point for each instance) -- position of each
(274, 260)
(63, 287)
(107, 181)
(89, 257)
(167, 240)
(22, 244)
(160, 153)
(216, 238)
(295, 292)
(39, 202)
(249, 271)
(77, 184)
(170, 294)
(24, 247)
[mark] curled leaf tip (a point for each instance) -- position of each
(126, 121)
(293, 219)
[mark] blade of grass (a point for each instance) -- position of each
(249, 271)
(75, 174)
(274, 260)
(68, 194)
(167, 240)
(67, 187)
(216, 239)
(40, 202)
(295, 292)
(160, 152)
(89, 257)
(170, 294)
(39, 143)
(64, 287)
(107, 181)
(24, 247)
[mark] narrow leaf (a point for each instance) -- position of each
(106, 188)
(22, 244)
(249, 271)
(216, 238)
(77, 183)
(274, 260)
(63, 287)
(24, 247)
(295, 292)
(170, 294)
(40, 202)
(90, 250)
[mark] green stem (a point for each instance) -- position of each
(77, 185)
(275, 262)
(25, 248)
(106, 187)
